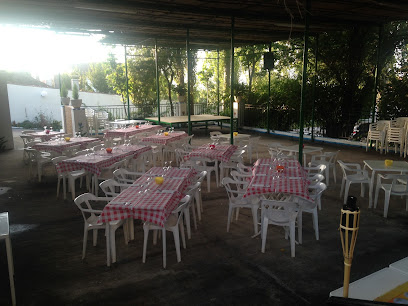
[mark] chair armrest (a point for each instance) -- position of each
(95, 211)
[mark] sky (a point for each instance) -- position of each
(44, 53)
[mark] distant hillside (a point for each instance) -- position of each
(21, 78)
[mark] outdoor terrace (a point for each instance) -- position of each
(216, 268)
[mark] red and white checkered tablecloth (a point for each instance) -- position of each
(172, 172)
(164, 140)
(44, 136)
(146, 200)
(268, 178)
(129, 131)
(61, 146)
(219, 152)
(96, 162)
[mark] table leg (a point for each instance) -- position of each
(370, 190)
(11, 270)
(96, 186)
(108, 250)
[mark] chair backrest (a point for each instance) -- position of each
(180, 155)
(235, 189)
(184, 202)
(201, 176)
(215, 133)
(71, 151)
(192, 189)
(279, 212)
(26, 139)
(84, 205)
(82, 152)
(124, 176)
(318, 169)
(316, 178)
(399, 183)
(244, 169)
(58, 159)
(238, 176)
(112, 188)
(317, 190)
(345, 167)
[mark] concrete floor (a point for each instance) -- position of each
(217, 268)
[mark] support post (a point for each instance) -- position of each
(232, 83)
(218, 82)
(127, 86)
(314, 85)
(268, 125)
(188, 82)
(376, 74)
(156, 60)
(304, 83)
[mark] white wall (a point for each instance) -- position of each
(26, 102)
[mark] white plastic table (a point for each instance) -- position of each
(379, 165)
(5, 235)
(374, 285)
(400, 265)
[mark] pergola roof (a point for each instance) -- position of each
(132, 22)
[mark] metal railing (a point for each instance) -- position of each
(149, 110)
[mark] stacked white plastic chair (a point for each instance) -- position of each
(396, 135)
(377, 132)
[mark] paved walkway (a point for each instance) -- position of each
(216, 268)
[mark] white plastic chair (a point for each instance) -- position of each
(236, 191)
(352, 173)
(328, 159)
(377, 132)
(398, 186)
(281, 213)
(112, 188)
(192, 191)
(208, 165)
(316, 178)
(253, 145)
(395, 135)
(316, 191)
(38, 158)
(91, 216)
(313, 170)
(71, 177)
(125, 176)
(225, 167)
(174, 223)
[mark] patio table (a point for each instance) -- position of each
(148, 201)
(95, 162)
(164, 140)
(215, 152)
(60, 146)
(130, 131)
(126, 122)
(292, 179)
(44, 136)
(379, 165)
(306, 150)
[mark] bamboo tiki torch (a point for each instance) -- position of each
(349, 224)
